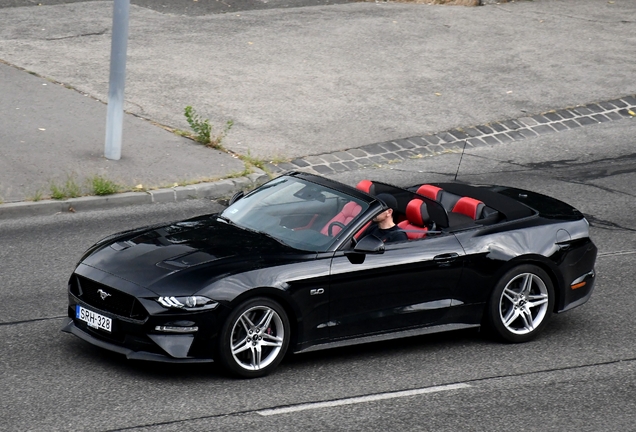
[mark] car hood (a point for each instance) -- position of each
(144, 257)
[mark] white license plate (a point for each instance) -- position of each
(93, 319)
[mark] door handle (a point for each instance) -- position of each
(444, 259)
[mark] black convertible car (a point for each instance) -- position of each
(286, 268)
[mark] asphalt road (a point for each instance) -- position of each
(579, 375)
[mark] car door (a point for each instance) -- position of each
(409, 285)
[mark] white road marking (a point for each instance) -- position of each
(628, 252)
(360, 399)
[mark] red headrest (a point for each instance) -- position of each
(365, 186)
(429, 191)
(468, 206)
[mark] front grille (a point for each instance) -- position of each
(114, 301)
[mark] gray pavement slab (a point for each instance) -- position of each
(49, 133)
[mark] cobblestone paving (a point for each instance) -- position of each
(522, 128)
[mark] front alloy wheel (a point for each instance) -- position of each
(254, 338)
(521, 303)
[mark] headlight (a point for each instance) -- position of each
(190, 302)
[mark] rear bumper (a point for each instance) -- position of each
(579, 276)
(583, 296)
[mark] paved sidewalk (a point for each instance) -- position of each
(325, 87)
(50, 133)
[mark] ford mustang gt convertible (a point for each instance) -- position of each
(288, 268)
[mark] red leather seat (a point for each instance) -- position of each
(366, 186)
(375, 188)
(346, 215)
(416, 219)
(470, 207)
(429, 191)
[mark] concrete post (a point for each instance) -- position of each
(119, 45)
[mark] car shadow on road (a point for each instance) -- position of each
(436, 348)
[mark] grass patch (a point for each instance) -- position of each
(57, 192)
(251, 161)
(255, 162)
(70, 189)
(102, 186)
(246, 171)
(37, 196)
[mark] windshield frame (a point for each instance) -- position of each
(294, 209)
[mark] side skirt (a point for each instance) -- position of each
(387, 336)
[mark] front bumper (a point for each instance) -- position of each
(141, 328)
(181, 343)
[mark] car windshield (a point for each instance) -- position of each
(301, 214)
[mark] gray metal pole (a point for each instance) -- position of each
(119, 45)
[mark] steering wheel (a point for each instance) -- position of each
(331, 225)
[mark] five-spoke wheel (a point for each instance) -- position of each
(255, 337)
(521, 303)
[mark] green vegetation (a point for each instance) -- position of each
(102, 186)
(37, 196)
(70, 189)
(96, 185)
(251, 161)
(57, 192)
(254, 162)
(203, 129)
(247, 171)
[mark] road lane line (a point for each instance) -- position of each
(360, 399)
(627, 252)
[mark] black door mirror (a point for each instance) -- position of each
(369, 245)
(237, 196)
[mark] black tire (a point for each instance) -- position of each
(254, 338)
(521, 304)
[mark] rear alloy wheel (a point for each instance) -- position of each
(521, 303)
(255, 338)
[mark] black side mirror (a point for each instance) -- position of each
(237, 196)
(369, 244)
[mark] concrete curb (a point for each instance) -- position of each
(214, 190)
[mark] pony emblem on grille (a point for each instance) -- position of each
(103, 294)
